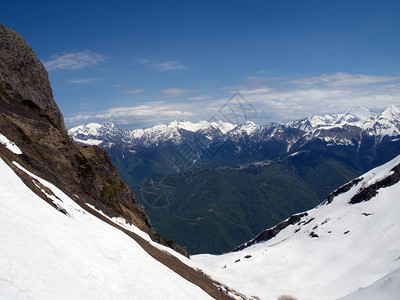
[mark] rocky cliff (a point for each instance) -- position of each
(30, 117)
(20, 68)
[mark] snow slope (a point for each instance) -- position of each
(333, 251)
(387, 288)
(46, 254)
(9, 145)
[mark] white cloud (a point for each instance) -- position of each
(258, 91)
(299, 102)
(133, 91)
(199, 98)
(254, 82)
(282, 101)
(74, 60)
(345, 79)
(117, 85)
(169, 65)
(148, 113)
(83, 80)
(176, 92)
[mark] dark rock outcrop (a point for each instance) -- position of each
(343, 189)
(30, 118)
(369, 192)
(272, 232)
(20, 68)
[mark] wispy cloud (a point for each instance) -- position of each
(199, 98)
(146, 114)
(74, 60)
(279, 100)
(176, 92)
(117, 85)
(345, 79)
(83, 80)
(255, 82)
(133, 91)
(301, 100)
(169, 65)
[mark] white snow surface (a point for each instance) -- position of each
(90, 142)
(386, 288)
(122, 222)
(357, 245)
(9, 145)
(383, 124)
(247, 128)
(92, 129)
(45, 254)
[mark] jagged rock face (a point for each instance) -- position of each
(30, 118)
(48, 152)
(20, 68)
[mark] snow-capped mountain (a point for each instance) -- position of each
(345, 128)
(349, 242)
(352, 117)
(95, 133)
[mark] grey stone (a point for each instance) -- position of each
(20, 68)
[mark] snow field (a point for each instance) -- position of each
(45, 254)
(356, 246)
(9, 145)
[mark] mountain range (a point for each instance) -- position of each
(345, 128)
(196, 179)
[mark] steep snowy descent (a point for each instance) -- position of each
(70, 254)
(9, 145)
(330, 252)
(386, 288)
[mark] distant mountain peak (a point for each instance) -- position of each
(360, 112)
(392, 112)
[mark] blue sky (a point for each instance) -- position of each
(138, 63)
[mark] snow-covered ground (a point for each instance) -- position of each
(337, 250)
(331, 253)
(122, 223)
(387, 288)
(9, 145)
(46, 254)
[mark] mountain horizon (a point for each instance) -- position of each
(204, 168)
(358, 112)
